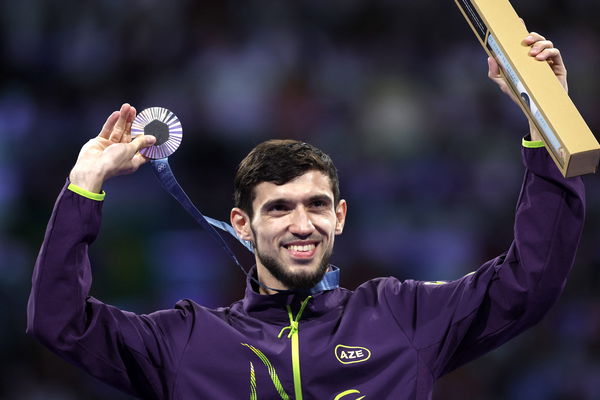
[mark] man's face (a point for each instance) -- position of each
(293, 229)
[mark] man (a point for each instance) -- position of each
(287, 338)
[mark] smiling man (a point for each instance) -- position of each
(292, 336)
(288, 205)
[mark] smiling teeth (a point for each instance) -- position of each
(307, 247)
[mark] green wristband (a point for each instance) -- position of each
(87, 194)
(532, 144)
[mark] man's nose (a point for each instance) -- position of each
(301, 223)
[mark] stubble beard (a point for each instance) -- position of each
(301, 280)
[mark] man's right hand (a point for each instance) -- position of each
(111, 153)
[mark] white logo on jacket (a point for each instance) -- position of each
(351, 354)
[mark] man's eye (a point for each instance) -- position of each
(278, 208)
(319, 204)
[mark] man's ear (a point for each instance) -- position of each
(340, 214)
(241, 223)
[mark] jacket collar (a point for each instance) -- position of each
(273, 307)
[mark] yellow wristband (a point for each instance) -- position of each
(532, 144)
(87, 194)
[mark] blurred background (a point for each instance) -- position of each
(396, 91)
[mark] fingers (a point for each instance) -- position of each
(127, 133)
(532, 38)
(109, 125)
(542, 49)
(126, 115)
(551, 55)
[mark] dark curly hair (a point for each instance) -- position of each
(279, 161)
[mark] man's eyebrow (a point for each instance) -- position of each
(284, 201)
(273, 202)
(320, 197)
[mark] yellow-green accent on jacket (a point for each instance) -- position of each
(87, 194)
(532, 144)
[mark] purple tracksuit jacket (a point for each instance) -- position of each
(388, 339)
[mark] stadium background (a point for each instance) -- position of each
(396, 91)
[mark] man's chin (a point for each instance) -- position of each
(298, 275)
(312, 277)
(302, 279)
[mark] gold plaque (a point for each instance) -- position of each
(567, 137)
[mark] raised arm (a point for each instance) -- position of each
(454, 322)
(135, 353)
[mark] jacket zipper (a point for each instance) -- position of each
(293, 335)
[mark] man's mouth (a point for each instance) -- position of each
(301, 250)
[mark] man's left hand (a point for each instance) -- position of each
(542, 50)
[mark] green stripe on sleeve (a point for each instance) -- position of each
(532, 144)
(87, 194)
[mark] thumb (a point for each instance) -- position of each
(141, 142)
(493, 68)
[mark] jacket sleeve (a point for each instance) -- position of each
(135, 353)
(455, 322)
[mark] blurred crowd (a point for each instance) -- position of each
(395, 91)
